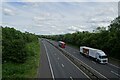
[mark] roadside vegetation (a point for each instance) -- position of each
(0, 52)
(106, 40)
(20, 54)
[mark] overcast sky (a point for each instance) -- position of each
(57, 17)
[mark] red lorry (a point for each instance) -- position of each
(61, 44)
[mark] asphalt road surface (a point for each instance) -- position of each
(58, 66)
(108, 71)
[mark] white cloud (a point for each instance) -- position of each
(48, 23)
(24, 29)
(43, 16)
(99, 19)
(39, 18)
(9, 12)
(61, 0)
(59, 17)
(53, 26)
(103, 24)
(74, 28)
(39, 25)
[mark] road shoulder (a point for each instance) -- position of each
(44, 69)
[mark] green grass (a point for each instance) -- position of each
(27, 69)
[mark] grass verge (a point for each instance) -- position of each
(27, 69)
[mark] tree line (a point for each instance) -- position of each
(106, 40)
(14, 45)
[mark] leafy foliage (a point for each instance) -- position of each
(14, 45)
(28, 69)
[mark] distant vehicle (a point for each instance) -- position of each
(97, 54)
(61, 44)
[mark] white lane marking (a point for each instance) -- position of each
(62, 65)
(58, 58)
(115, 73)
(76, 66)
(87, 65)
(94, 62)
(71, 78)
(49, 62)
(114, 65)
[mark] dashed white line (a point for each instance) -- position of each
(62, 65)
(86, 65)
(49, 62)
(71, 78)
(58, 58)
(76, 66)
(115, 73)
(94, 62)
(114, 65)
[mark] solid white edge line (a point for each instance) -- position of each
(76, 66)
(86, 65)
(49, 62)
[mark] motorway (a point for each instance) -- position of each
(59, 65)
(108, 71)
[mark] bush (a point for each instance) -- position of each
(14, 43)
